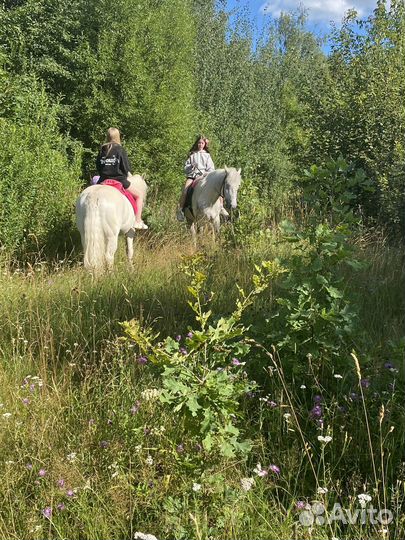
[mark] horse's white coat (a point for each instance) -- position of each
(102, 213)
(205, 201)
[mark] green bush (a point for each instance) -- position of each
(40, 171)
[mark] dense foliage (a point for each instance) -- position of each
(272, 103)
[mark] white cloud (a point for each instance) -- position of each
(320, 11)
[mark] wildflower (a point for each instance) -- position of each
(353, 396)
(70, 493)
(142, 360)
(26, 401)
(318, 399)
(316, 412)
(322, 490)
(190, 335)
(364, 498)
(180, 448)
(61, 483)
(47, 512)
(138, 448)
(274, 469)
(272, 404)
(143, 536)
(324, 440)
(247, 483)
(196, 487)
(183, 351)
(301, 505)
(42, 473)
(149, 460)
(104, 444)
(6, 415)
(388, 365)
(29, 466)
(71, 457)
(92, 422)
(178, 338)
(259, 471)
(303, 387)
(150, 394)
(365, 383)
(61, 507)
(287, 416)
(337, 376)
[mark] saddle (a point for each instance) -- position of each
(117, 185)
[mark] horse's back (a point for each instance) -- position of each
(114, 210)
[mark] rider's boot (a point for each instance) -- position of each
(180, 215)
(140, 225)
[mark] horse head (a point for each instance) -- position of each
(231, 186)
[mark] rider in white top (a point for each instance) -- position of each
(198, 165)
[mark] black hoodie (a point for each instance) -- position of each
(113, 163)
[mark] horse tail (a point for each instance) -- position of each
(93, 237)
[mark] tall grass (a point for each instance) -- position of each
(87, 453)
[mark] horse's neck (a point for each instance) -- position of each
(215, 184)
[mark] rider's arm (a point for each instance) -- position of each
(188, 167)
(210, 164)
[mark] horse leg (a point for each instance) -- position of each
(111, 248)
(130, 245)
(193, 230)
(215, 224)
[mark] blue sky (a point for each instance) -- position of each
(320, 12)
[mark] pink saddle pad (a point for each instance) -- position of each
(117, 185)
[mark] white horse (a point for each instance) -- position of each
(102, 213)
(205, 202)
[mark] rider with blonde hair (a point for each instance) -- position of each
(112, 162)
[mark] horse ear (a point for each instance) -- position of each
(226, 168)
(239, 170)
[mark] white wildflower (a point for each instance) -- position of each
(324, 440)
(71, 457)
(337, 376)
(364, 498)
(149, 460)
(302, 386)
(138, 448)
(196, 487)
(259, 471)
(322, 490)
(6, 415)
(247, 483)
(143, 536)
(150, 394)
(287, 416)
